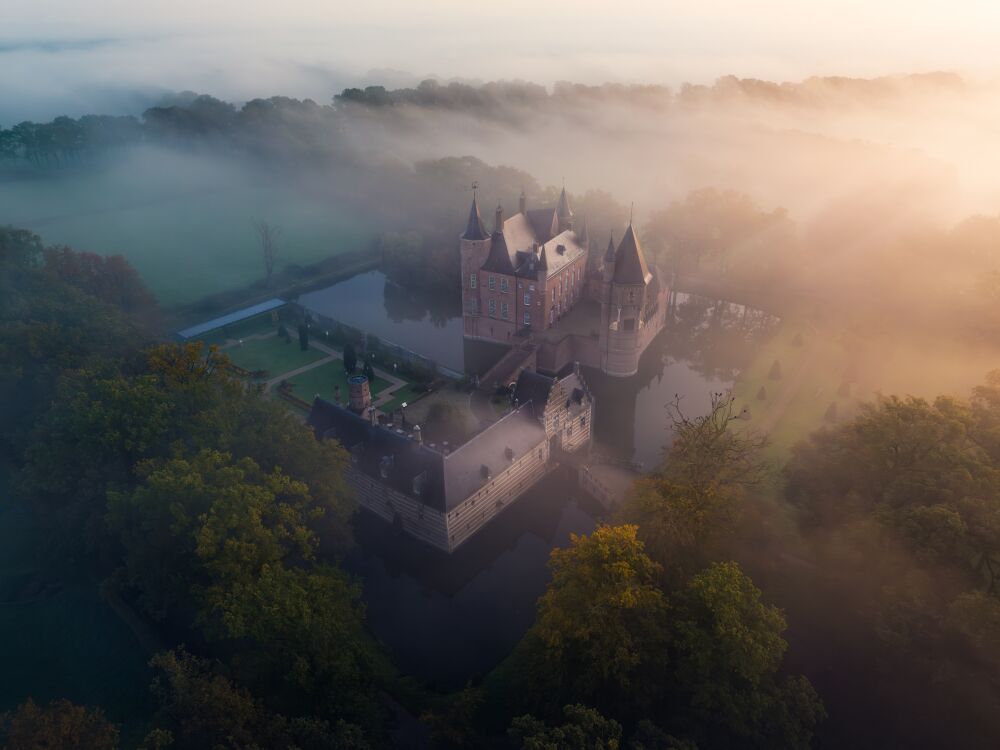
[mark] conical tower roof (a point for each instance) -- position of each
(630, 263)
(563, 210)
(609, 254)
(475, 230)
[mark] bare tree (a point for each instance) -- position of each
(269, 244)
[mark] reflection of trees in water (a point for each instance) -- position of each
(402, 304)
(716, 338)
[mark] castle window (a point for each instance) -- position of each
(472, 281)
(492, 282)
(527, 318)
(531, 287)
(631, 295)
(504, 284)
(527, 299)
(493, 307)
(504, 310)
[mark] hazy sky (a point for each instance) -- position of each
(76, 51)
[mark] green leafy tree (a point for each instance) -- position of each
(601, 622)
(583, 729)
(60, 725)
(727, 649)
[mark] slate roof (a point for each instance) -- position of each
(474, 229)
(498, 261)
(533, 387)
(630, 263)
(563, 209)
(518, 431)
(375, 449)
(544, 223)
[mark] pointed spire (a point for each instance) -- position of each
(563, 210)
(630, 262)
(609, 255)
(475, 230)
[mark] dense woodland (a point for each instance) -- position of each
(848, 598)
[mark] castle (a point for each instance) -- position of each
(537, 279)
(443, 495)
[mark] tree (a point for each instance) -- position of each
(350, 358)
(583, 729)
(601, 621)
(727, 650)
(692, 501)
(19, 247)
(268, 236)
(60, 725)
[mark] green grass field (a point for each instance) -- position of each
(796, 403)
(324, 379)
(274, 354)
(184, 220)
(406, 393)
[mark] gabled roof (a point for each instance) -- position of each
(474, 229)
(630, 263)
(535, 388)
(498, 261)
(544, 222)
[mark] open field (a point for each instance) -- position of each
(847, 369)
(184, 220)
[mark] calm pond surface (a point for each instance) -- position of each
(448, 619)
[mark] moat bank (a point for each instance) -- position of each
(449, 618)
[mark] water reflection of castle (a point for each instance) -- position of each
(535, 282)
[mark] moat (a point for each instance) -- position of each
(448, 618)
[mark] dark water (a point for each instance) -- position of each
(448, 619)
(431, 327)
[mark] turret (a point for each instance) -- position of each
(474, 229)
(564, 213)
(609, 259)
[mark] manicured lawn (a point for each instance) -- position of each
(273, 354)
(406, 393)
(324, 379)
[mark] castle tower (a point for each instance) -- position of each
(474, 248)
(626, 284)
(359, 394)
